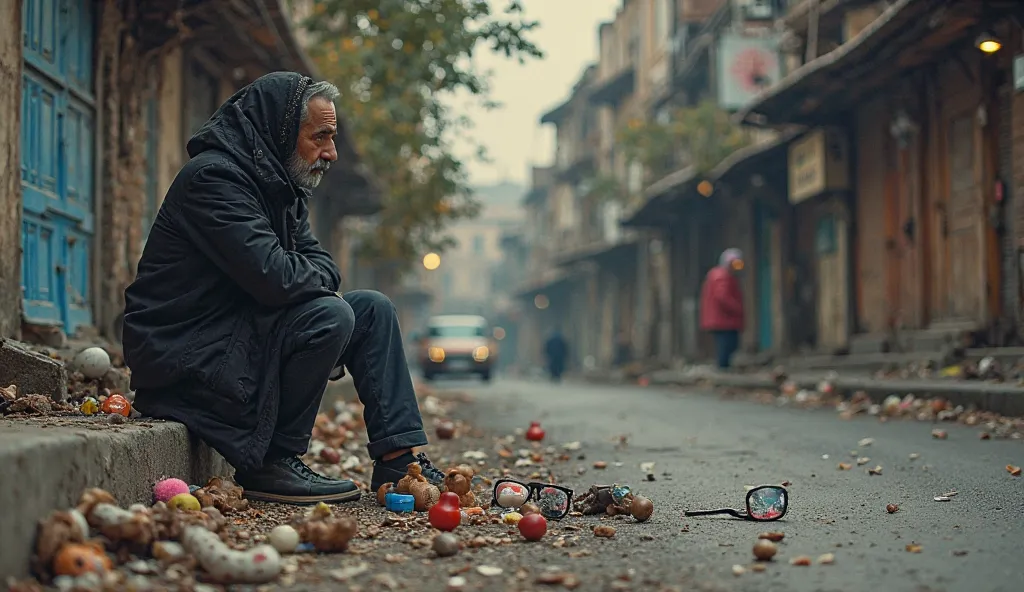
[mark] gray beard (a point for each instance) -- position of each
(305, 175)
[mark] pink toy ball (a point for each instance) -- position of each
(165, 489)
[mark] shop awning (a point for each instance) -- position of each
(553, 280)
(557, 114)
(663, 197)
(616, 88)
(799, 94)
(746, 160)
(906, 35)
(601, 252)
(650, 213)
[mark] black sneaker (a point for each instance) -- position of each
(290, 481)
(391, 471)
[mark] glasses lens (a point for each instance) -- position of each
(553, 502)
(767, 503)
(510, 494)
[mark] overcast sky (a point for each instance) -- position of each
(512, 133)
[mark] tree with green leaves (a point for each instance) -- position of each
(701, 136)
(398, 63)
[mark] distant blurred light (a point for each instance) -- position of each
(481, 353)
(541, 301)
(436, 354)
(988, 43)
(431, 261)
(498, 333)
(705, 188)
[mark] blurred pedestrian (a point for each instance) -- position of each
(721, 305)
(555, 350)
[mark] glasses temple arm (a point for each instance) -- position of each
(729, 511)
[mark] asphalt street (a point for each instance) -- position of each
(707, 448)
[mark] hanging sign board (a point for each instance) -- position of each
(1018, 73)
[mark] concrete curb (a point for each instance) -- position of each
(46, 463)
(1005, 399)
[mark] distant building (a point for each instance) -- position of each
(467, 279)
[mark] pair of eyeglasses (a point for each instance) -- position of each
(764, 504)
(553, 500)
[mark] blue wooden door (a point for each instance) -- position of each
(57, 140)
(763, 224)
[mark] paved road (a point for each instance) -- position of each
(712, 447)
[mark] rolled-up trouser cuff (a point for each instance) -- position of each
(379, 448)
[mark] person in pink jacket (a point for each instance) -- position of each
(721, 305)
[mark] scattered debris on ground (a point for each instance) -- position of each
(205, 538)
(893, 407)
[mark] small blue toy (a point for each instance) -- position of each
(399, 502)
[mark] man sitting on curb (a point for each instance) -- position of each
(234, 323)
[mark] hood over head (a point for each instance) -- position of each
(728, 256)
(260, 120)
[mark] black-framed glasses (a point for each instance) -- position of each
(553, 500)
(764, 504)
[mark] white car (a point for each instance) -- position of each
(457, 344)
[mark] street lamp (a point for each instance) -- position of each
(988, 43)
(431, 261)
(541, 301)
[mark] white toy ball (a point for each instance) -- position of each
(284, 538)
(92, 362)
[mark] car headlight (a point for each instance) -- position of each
(481, 353)
(436, 354)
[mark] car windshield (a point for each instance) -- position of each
(456, 331)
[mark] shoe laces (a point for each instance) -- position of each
(432, 473)
(296, 464)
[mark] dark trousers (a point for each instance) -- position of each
(360, 331)
(726, 344)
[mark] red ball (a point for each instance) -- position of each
(445, 514)
(533, 527)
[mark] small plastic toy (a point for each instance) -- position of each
(399, 502)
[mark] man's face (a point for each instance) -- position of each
(315, 150)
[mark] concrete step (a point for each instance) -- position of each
(869, 362)
(46, 463)
(1006, 356)
(1004, 398)
(866, 343)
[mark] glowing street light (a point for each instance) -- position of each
(431, 261)
(541, 301)
(988, 43)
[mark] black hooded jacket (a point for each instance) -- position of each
(229, 251)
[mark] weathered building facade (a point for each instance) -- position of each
(908, 165)
(877, 194)
(100, 101)
(724, 53)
